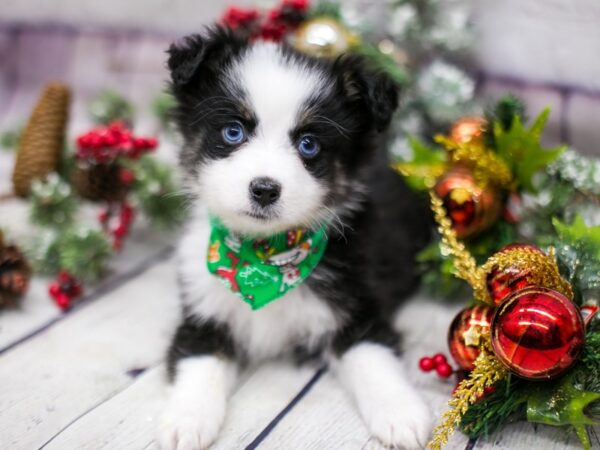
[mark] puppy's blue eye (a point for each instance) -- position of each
(234, 133)
(308, 147)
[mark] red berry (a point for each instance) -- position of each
(64, 277)
(120, 231)
(117, 244)
(439, 359)
(103, 216)
(126, 214)
(426, 364)
(126, 176)
(54, 290)
(151, 143)
(444, 370)
(63, 301)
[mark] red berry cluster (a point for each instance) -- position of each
(105, 144)
(117, 220)
(439, 362)
(64, 290)
(272, 26)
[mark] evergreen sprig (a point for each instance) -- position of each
(84, 253)
(157, 193)
(52, 202)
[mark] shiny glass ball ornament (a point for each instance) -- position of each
(471, 207)
(503, 281)
(323, 37)
(467, 330)
(467, 129)
(537, 333)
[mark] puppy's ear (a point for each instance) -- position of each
(374, 89)
(196, 53)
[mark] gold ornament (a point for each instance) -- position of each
(323, 37)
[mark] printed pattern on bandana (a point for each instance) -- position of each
(262, 270)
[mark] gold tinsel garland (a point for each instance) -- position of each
(488, 370)
(546, 271)
(465, 265)
(488, 168)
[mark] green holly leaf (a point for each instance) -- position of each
(579, 232)
(426, 164)
(563, 405)
(521, 148)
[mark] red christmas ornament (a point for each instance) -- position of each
(537, 333)
(502, 282)
(472, 208)
(465, 334)
(467, 129)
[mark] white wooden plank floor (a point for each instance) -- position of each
(94, 378)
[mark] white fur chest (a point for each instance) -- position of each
(297, 318)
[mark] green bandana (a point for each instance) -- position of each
(262, 270)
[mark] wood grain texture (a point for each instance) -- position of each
(58, 376)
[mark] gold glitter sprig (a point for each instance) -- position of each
(486, 165)
(488, 370)
(546, 271)
(464, 264)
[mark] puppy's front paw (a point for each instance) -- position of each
(187, 428)
(399, 423)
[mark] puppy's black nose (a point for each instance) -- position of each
(265, 191)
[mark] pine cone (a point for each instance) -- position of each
(42, 140)
(99, 182)
(15, 273)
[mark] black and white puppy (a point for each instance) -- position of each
(311, 128)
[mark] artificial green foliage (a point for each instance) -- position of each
(506, 403)
(44, 252)
(578, 253)
(9, 139)
(109, 106)
(521, 149)
(52, 202)
(163, 106)
(383, 62)
(502, 113)
(505, 110)
(157, 193)
(437, 269)
(562, 405)
(425, 163)
(327, 9)
(578, 231)
(580, 171)
(84, 253)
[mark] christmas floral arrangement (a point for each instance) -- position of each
(498, 186)
(111, 170)
(530, 343)
(512, 220)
